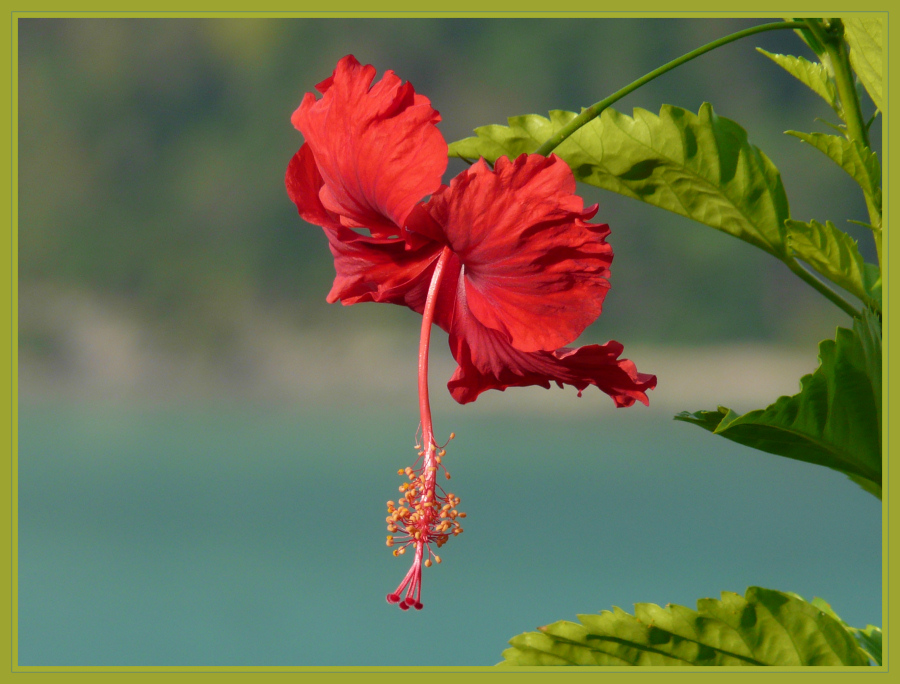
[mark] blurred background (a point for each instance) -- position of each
(206, 446)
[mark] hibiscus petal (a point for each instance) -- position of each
(367, 269)
(380, 270)
(488, 361)
(377, 148)
(534, 269)
(303, 182)
(593, 364)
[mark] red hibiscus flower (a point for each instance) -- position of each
(503, 259)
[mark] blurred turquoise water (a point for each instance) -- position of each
(255, 536)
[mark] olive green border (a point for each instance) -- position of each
(504, 8)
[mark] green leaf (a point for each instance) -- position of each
(867, 329)
(859, 162)
(835, 255)
(764, 627)
(842, 129)
(867, 485)
(697, 165)
(870, 641)
(495, 141)
(869, 638)
(835, 420)
(810, 39)
(812, 74)
(864, 36)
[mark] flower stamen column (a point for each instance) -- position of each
(425, 512)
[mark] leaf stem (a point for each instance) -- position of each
(821, 287)
(595, 109)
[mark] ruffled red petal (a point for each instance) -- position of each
(377, 147)
(593, 364)
(373, 270)
(488, 361)
(367, 269)
(534, 270)
(303, 182)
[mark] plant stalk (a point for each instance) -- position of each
(832, 38)
(595, 109)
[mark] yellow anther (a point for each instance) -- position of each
(437, 459)
(447, 475)
(400, 471)
(437, 559)
(396, 552)
(427, 563)
(442, 452)
(402, 550)
(462, 515)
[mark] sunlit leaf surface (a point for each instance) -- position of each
(764, 627)
(698, 165)
(813, 75)
(835, 255)
(864, 35)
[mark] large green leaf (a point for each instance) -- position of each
(812, 74)
(834, 421)
(697, 165)
(864, 35)
(764, 627)
(859, 162)
(835, 255)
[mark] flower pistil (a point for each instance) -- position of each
(425, 512)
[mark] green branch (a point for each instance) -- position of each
(595, 109)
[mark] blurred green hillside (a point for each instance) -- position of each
(152, 156)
